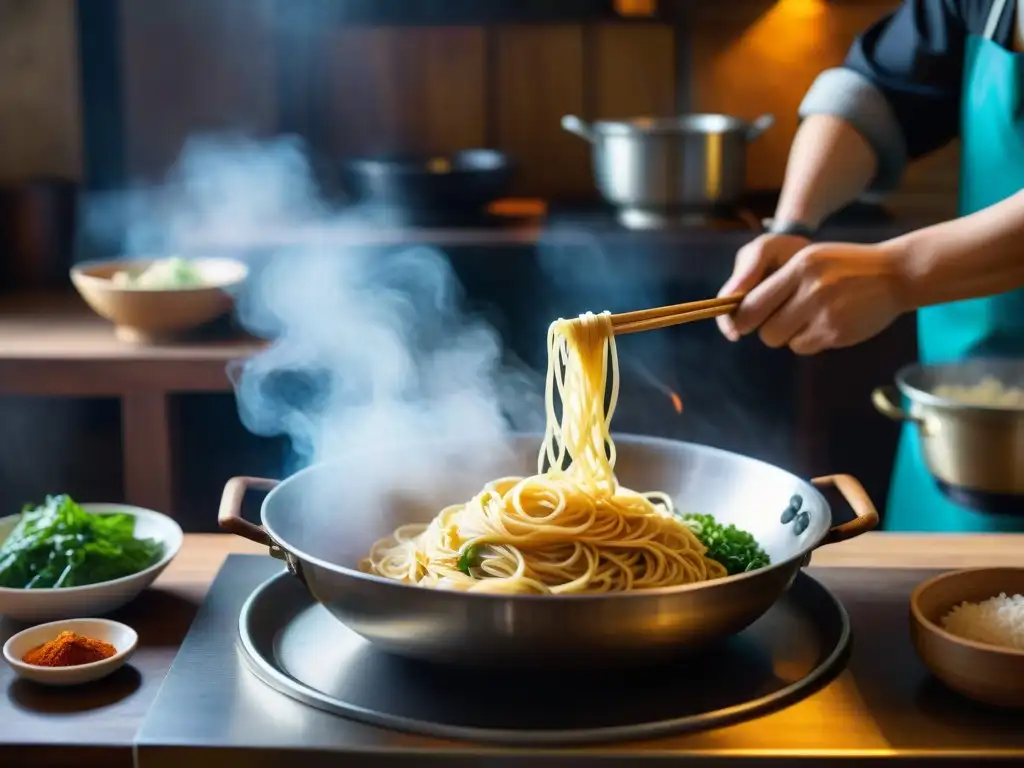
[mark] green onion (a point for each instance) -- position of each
(468, 558)
(736, 549)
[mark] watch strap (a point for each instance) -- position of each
(783, 227)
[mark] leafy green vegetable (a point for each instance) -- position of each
(59, 544)
(468, 558)
(737, 550)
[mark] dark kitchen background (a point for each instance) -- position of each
(104, 93)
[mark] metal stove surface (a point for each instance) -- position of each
(211, 711)
(297, 647)
(605, 219)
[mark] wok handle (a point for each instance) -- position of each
(229, 516)
(853, 492)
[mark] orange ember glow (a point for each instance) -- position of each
(658, 384)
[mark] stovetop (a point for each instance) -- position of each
(598, 216)
(602, 218)
(532, 222)
(213, 711)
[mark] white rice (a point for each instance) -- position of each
(996, 621)
(988, 392)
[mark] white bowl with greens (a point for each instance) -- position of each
(63, 560)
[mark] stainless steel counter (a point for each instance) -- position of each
(211, 711)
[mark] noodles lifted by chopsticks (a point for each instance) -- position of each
(568, 529)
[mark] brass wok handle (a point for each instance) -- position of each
(853, 492)
(229, 516)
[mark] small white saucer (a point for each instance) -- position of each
(119, 635)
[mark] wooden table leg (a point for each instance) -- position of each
(148, 453)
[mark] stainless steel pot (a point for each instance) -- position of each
(307, 523)
(651, 168)
(975, 453)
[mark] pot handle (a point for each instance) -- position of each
(866, 516)
(885, 400)
(229, 516)
(573, 124)
(759, 126)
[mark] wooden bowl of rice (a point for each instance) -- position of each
(968, 628)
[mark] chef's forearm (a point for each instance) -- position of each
(977, 255)
(830, 165)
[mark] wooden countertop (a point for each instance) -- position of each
(95, 725)
(193, 570)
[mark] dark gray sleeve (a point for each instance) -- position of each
(899, 85)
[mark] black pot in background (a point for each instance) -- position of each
(37, 233)
(458, 184)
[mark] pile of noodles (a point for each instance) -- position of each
(568, 529)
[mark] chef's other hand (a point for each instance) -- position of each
(827, 296)
(755, 261)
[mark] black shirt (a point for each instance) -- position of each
(915, 57)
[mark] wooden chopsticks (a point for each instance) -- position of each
(675, 314)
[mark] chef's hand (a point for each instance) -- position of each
(754, 262)
(826, 296)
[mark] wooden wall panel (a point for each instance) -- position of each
(538, 77)
(754, 56)
(195, 65)
(192, 66)
(40, 115)
(761, 56)
(633, 70)
(405, 88)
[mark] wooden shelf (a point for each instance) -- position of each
(52, 344)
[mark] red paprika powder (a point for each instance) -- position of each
(69, 650)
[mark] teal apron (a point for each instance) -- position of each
(991, 170)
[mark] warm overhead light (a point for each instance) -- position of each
(802, 5)
(636, 7)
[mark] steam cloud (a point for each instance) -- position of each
(371, 352)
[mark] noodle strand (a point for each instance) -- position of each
(569, 529)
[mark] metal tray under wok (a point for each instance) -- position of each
(296, 647)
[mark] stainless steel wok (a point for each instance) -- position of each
(312, 522)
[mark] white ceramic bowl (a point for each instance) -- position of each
(36, 605)
(119, 635)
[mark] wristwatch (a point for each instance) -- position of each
(782, 227)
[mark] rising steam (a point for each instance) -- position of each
(371, 353)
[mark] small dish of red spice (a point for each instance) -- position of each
(70, 652)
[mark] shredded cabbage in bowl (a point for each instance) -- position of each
(162, 275)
